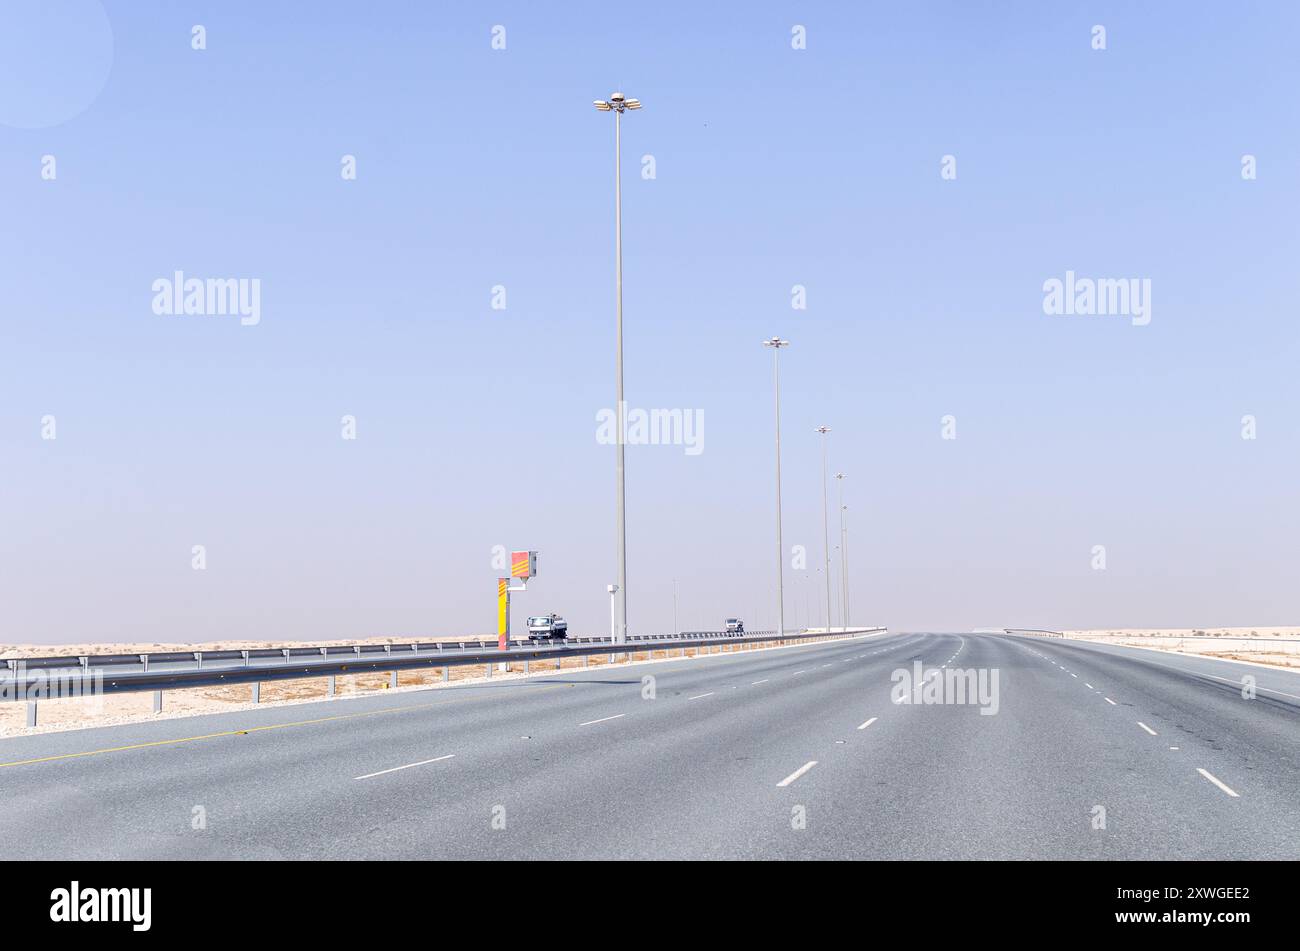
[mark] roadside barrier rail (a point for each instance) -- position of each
(45, 678)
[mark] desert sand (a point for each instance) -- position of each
(1276, 646)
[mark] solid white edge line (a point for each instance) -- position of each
(868, 723)
(603, 719)
(1147, 728)
(425, 762)
(797, 773)
(1238, 683)
(1212, 778)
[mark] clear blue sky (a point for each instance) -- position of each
(775, 167)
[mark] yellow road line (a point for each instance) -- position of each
(251, 729)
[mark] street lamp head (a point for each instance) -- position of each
(822, 429)
(617, 102)
(776, 342)
(839, 475)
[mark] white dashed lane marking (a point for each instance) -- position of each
(1212, 778)
(797, 773)
(423, 762)
(603, 719)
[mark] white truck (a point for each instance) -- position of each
(547, 627)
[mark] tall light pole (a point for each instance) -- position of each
(826, 532)
(848, 603)
(807, 603)
(776, 343)
(844, 559)
(617, 104)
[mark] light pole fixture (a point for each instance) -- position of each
(618, 104)
(844, 559)
(776, 343)
(826, 532)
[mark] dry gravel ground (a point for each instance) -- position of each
(1275, 646)
(111, 709)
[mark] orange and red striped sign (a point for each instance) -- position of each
(522, 564)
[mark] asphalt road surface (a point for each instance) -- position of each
(798, 752)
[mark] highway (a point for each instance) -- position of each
(797, 752)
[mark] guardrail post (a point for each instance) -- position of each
(31, 713)
(489, 671)
(157, 701)
(446, 674)
(333, 688)
(525, 668)
(392, 680)
(257, 692)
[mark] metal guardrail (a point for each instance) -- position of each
(42, 678)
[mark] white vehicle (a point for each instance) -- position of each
(735, 625)
(546, 627)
